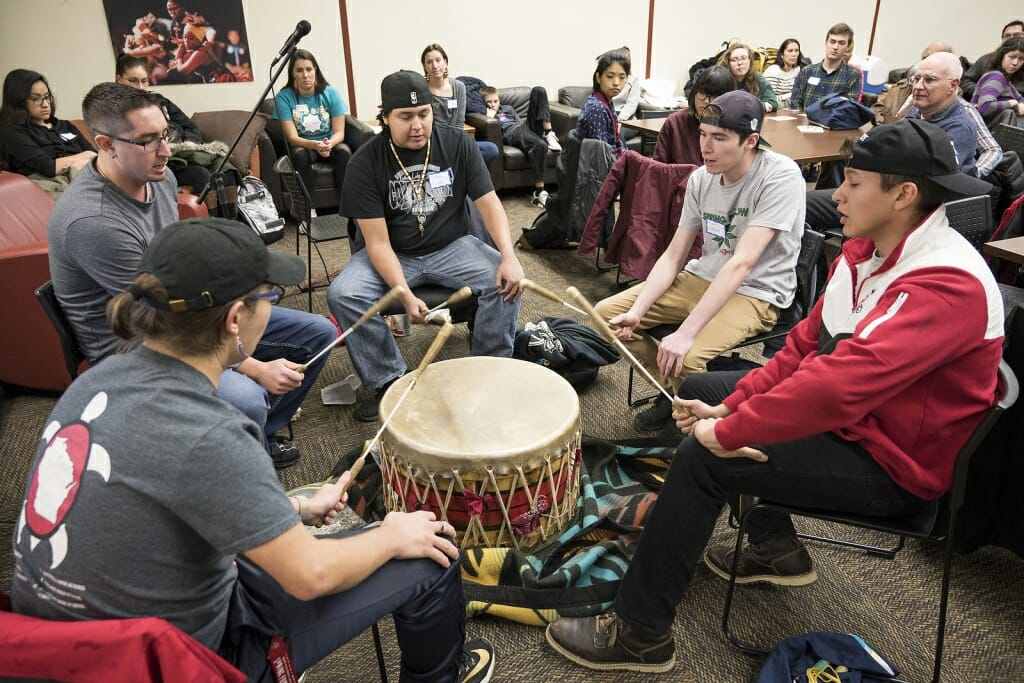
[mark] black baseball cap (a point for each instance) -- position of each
(918, 149)
(205, 262)
(403, 89)
(736, 110)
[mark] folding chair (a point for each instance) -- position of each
(972, 218)
(316, 229)
(1010, 138)
(936, 523)
(73, 355)
(811, 271)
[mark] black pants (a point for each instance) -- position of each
(303, 159)
(822, 211)
(823, 469)
(194, 175)
(518, 135)
(538, 112)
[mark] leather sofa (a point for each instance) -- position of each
(511, 168)
(566, 112)
(30, 351)
(324, 194)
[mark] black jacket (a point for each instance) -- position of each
(30, 148)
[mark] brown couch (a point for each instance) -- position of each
(30, 352)
(511, 168)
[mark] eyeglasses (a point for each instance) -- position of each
(137, 81)
(274, 295)
(39, 99)
(743, 58)
(928, 79)
(148, 145)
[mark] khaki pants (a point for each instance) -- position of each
(740, 318)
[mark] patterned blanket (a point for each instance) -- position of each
(579, 573)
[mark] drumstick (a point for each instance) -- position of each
(435, 347)
(606, 332)
(547, 293)
(457, 296)
(373, 310)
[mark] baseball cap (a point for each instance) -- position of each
(205, 262)
(915, 148)
(736, 110)
(403, 89)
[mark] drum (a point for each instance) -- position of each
(490, 445)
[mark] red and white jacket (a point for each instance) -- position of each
(901, 360)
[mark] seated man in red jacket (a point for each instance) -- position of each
(863, 410)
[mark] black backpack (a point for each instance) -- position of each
(256, 209)
(700, 66)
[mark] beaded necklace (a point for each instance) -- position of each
(417, 189)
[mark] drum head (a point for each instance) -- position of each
(480, 411)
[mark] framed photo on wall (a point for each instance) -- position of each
(182, 41)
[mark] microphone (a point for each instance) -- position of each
(301, 29)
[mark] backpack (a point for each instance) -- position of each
(256, 209)
(838, 112)
(700, 66)
(572, 350)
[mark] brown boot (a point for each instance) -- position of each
(607, 643)
(782, 561)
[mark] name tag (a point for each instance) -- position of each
(440, 179)
(714, 228)
(453, 104)
(67, 137)
(814, 80)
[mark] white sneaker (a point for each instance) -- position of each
(552, 140)
(540, 198)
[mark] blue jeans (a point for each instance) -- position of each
(295, 335)
(424, 599)
(465, 262)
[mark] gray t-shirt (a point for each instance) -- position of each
(97, 235)
(769, 195)
(451, 111)
(144, 488)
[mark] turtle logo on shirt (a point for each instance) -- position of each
(57, 479)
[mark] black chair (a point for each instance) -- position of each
(972, 218)
(317, 229)
(73, 355)
(1010, 138)
(811, 272)
(936, 523)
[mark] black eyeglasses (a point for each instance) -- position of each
(39, 99)
(148, 145)
(274, 295)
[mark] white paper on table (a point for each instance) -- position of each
(782, 117)
(810, 129)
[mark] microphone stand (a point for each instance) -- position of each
(224, 209)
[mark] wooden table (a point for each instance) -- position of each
(781, 131)
(1011, 249)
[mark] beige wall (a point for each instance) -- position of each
(67, 39)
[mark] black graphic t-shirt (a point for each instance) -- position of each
(376, 187)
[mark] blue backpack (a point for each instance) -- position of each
(838, 112)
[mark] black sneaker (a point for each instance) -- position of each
(368, 408)
(476, 663)
(607, 643)
(782, 561)
(653, 419)
(283, 453)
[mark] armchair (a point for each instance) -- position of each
(324, 194)
(511, 168)
(566, 112)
